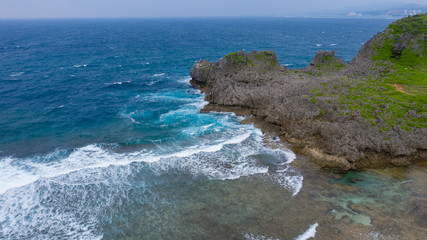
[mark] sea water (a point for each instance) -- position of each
(101, 135)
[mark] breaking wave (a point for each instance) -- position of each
(310, 233)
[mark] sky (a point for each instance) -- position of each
(179, 8)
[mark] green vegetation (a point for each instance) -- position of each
(236, 58)
(261, 56)
(397, 96)
(327, 58)
(251, 62)
(313, 100)
(264, 55)
(403, 86)
(382, 105)
(414, 25)
(206, 69)
(328, 65)
(400, 94)
(320, 111)
(268, 53)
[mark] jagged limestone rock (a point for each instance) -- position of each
(330, 108)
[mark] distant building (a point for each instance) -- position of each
(354, 14)
(393, 13)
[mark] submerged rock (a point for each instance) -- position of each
(419, 211)
(333, 111)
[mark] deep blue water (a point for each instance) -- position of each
(100, 133)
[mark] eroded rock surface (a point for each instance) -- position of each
(301, 103)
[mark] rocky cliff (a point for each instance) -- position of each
(370, 112)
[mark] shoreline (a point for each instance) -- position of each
(326, 191)
(350, 204)
(306, 148)
(343, 115)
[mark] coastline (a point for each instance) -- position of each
(350, 204)
(339, 194)
(109, 142)
(307, 148)
(343, 115)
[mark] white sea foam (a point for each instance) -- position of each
(118, 83)
(199, 130)
(318, 44)
(212, 163)
(284, 175)
(56, 178)
(22, 172)
(290, 155)
(218, 161)
(258, 237)
(38, 210)
(209, 148)
(18, 172)
(294, 183)
(79, 65)
(185, 80)
(288, 64)
(187, 109)
(158, 74)
(13, 176)
(17, 74)
(310, 233)
(173, 96)
(333, 44)
(151, 83)
(133, 120)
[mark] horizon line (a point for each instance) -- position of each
(207, 17)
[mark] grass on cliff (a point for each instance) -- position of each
(260, 56)
(382, 105)
(398, 97)
(236, 58)
(328, 66)
(405, 81)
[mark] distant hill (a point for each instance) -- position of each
(397, 11)
(377, 11)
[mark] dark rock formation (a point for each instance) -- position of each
(301, 105)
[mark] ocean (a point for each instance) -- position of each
(101, 135)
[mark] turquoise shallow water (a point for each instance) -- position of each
(101, 135)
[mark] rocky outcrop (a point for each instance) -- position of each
(302, 104)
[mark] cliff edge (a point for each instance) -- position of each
(368, 113)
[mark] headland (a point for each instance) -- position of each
(368, 113)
